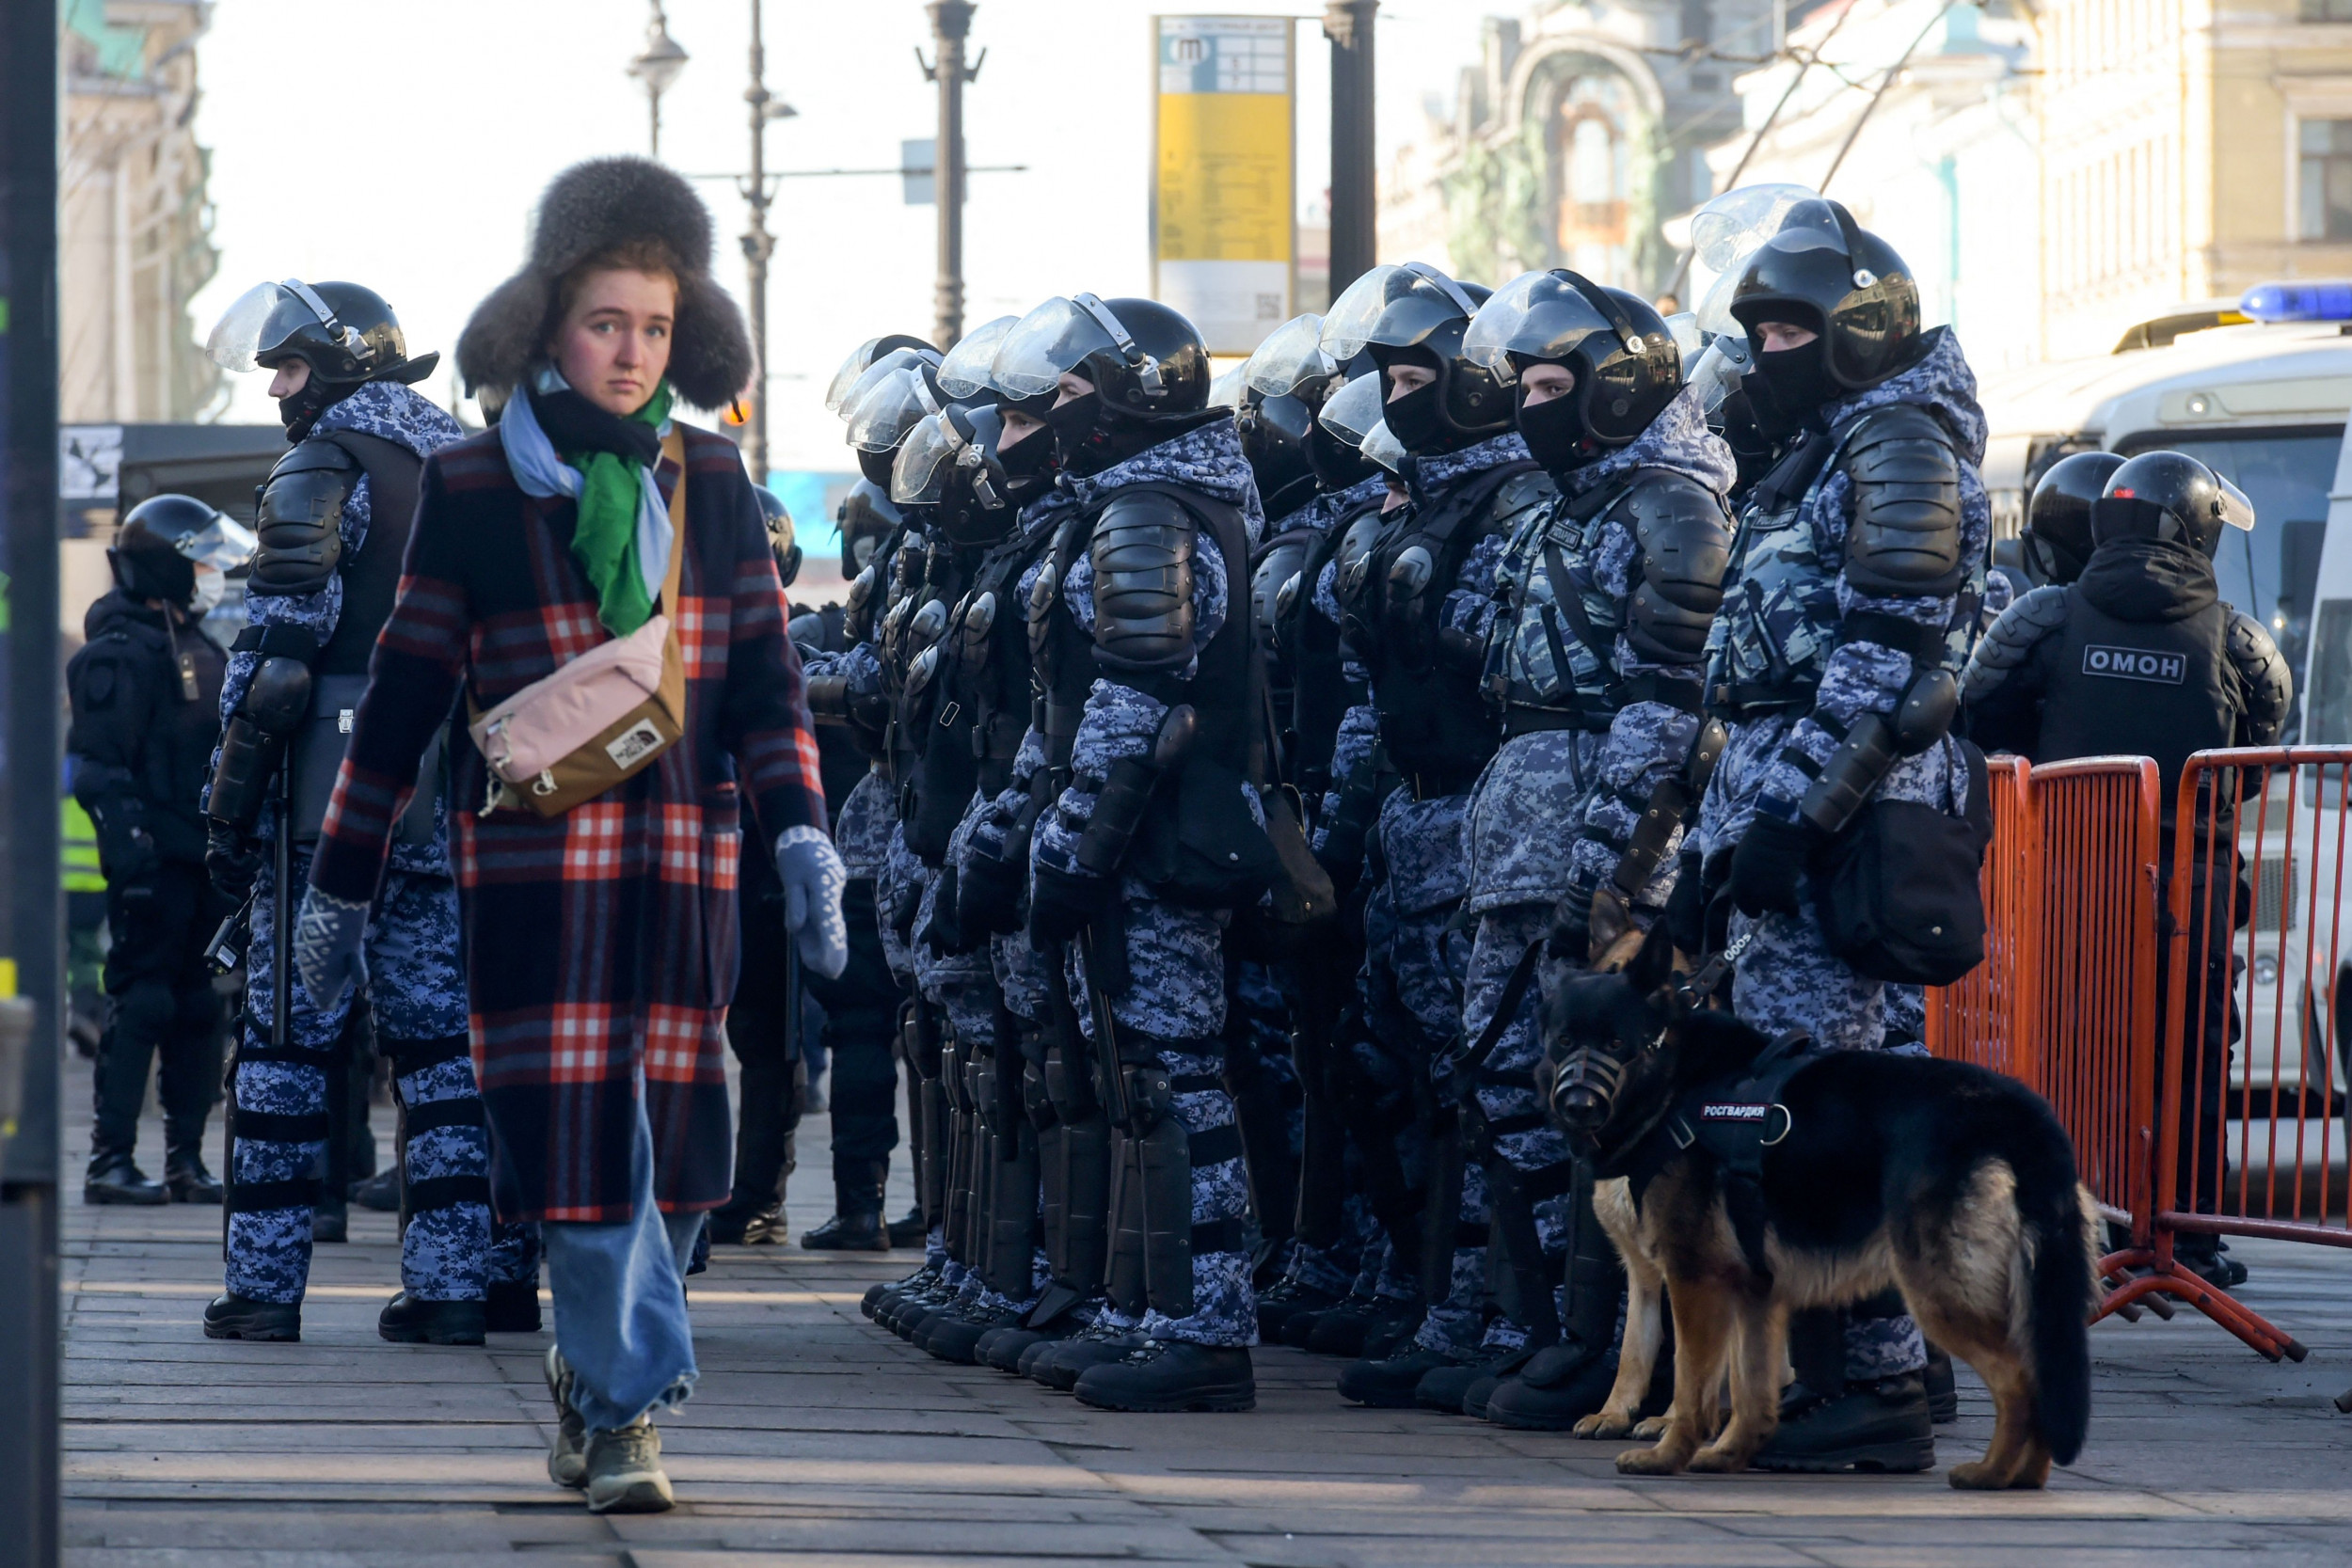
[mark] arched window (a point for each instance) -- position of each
(1591, 137)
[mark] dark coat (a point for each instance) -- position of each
(142, 738)
(601, 944)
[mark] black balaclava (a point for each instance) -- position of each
(1790, 386)
(1555, 433)
(300, 413)
(1417, 418)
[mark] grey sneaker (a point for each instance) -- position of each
(625, 1471)
(567, 1453)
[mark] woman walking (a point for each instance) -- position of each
(601, 940)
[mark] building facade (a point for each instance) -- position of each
(134, 221)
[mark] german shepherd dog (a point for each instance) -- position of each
(1953, 1183)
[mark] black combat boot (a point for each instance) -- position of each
(754, 1224)
(187, 1180)
(1354, 1333)
(857, 1224)
(1389, 1381)
(878, 1297)
(380, 1193)
(1166, 1375)
(908, 1228)
(409, 1320)
(1882, 1426)
(959, 1339)
(1060, 1366)
(1942, 1388)
(1559, 1387)
(1285, 1299)
(331, 1222)
(232, 1317)
(1464, 1390)
(512, 1306)
(116, 1178)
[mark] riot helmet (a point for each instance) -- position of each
(346, 334)
(1822, 272)
(1146, 363)
(1625, 362)
(1415, 314)
(1291, 364)
(178, 549)
(886, 403)
(781, 541)
(1276, 436)
(2169, 496)
(2057, 539)
(963, 374)
(866, 516)
(948, 462)
(862, 359)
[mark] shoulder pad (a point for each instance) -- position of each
(2270, 684)
(1520, 494)
(2011, 638)
(1142, 552)
(1905, 537)
(1685, 543)
(299, 521)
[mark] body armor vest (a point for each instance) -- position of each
(990, 654)
(933, 728)
(1431, 721)
(1306, 648)
(1551, 656)
(2156, 688)
(1780, 619)
(339, 677)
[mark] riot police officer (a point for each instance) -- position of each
(145, 690)
(1596, 635)
(1469, 483)
(2056, 540)
(2140, 656)
(333, 523)
(1145, 635)
(1854, 594)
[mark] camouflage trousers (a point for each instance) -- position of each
(450, 1250)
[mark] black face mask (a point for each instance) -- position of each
(1416, 418)
(1080, 443)
(1555, 435)
(1027, 461)
(1788, 387)
(301, 411)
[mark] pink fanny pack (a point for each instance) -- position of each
(548, 721)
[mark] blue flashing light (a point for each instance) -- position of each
(2299, 302)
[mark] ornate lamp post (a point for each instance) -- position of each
(758, 244)
(657, 65)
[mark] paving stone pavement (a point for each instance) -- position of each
(817, 1439)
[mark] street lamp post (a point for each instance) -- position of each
(657, 65)
(758, 245)
(951, 22)
(1354, 179)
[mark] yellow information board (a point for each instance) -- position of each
(1224, 174)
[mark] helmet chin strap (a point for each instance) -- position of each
(1147, 369)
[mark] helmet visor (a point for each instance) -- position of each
(1540, 316)
(260, 321)
(1351, 412)
(919, 477)
(1394, 306)
(227, 543)
(1384, 448)
(1727, 231)
(1714, 376)
(1291, 357)
(874, 376)
(964, 374)
(837, 391)
(1045, 344)
(879, 417)
(2237, 508)
(1225, 391)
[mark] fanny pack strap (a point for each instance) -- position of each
(673, 693)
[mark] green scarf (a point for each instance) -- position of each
(604, 541)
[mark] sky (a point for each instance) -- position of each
(402, 146)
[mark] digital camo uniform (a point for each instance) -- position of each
(450, 1250)
(1173, 1007)
(1640, 536)
(1777, 634)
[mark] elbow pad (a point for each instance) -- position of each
(1685, 546)
(1142, 556)
(1118, 808)
(1905, 539)
(2270, 684)
(253, 745)
(299, 521)
(1271, 594)
(1868, 753)
(2011, 642)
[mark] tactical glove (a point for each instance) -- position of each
(232, 860)
(813, 881)
(1765, 868)
(1062, 903)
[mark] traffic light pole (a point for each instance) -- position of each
(30, 1027)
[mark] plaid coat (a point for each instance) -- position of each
(602, 943)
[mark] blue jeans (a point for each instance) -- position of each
(620, 1303)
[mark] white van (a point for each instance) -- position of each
(2258, 389)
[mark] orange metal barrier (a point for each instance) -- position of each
(2071, 1000)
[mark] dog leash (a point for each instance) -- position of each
(1711, 975)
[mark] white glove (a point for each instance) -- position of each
(813, 881)
(327, 945)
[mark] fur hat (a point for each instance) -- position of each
(587, 210)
